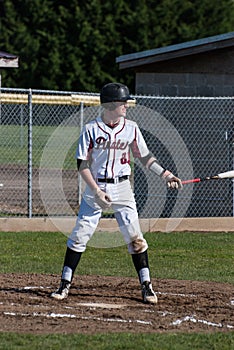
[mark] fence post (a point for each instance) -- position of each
(30, 153)
(81, 127)
(0, 99)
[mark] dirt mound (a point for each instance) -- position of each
(113, 304)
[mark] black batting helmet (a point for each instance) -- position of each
(113, 92)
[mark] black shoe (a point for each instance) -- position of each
(148, 295)
(62, 292)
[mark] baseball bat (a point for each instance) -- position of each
(225, 175)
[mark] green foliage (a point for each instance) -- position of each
(72, 45)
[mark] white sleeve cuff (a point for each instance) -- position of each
(156, 168)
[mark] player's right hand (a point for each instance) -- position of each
(102, 199)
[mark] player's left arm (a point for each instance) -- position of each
(140, 150)
(150, 162)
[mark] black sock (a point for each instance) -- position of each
(71, 261)
(140, 261)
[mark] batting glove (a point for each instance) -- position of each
(102, 199)
(173, 182)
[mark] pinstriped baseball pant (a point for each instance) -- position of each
(124, 207)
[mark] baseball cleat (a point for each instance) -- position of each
(62, 292)
(148, 295)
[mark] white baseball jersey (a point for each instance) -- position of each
(108, 149)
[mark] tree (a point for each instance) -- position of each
(72, 45)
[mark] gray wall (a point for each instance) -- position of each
(184, 84)
(205, 74)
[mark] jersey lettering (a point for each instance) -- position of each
(104, 144)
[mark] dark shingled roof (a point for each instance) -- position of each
(174, 51)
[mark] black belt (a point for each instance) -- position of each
(113, 181)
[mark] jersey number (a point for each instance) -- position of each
(123, 159)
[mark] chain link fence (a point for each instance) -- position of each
(191, 136)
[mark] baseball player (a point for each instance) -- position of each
(103, 160)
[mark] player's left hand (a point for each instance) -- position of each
(172, 181)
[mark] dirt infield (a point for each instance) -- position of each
(100, 304)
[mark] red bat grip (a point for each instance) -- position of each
(191, 181)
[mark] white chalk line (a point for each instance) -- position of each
(177, 294)
(34, 287)
(118, 320)
(159, 293)
(54, 315)
(94, 306)
(90, 305)
(84, 304)
(194, 320)
(103, 305)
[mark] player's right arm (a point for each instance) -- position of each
(101, 197)
(86, 174)
(83, 154)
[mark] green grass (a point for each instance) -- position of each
(14, 145)
(217, 341)
(191, 256)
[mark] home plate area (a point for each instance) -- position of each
(98, 304)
